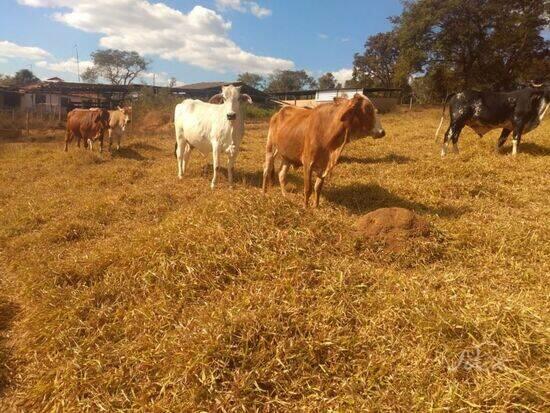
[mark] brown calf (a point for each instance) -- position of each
(315, 138)
(89, 125)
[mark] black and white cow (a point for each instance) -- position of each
(519, 112)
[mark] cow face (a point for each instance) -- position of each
(231, 97)
(126, 113)
(362, 119)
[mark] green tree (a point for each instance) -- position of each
(289, 80)
(327, 81)
(474, 43)
(24, 77)
(378, 61)
(252, 79)
(118, 66)
(89, 75)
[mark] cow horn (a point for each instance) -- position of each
(216, 99)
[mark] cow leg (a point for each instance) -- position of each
(503, 137)
(110, 139)
(318, 188)
(518, 130)
(118, 139)
(269, 166)
(215, 162)
(307, 183)
(452, 134)
(183, 150)
(91, 145)
(282, 177)
(68, 139)
(230, 164)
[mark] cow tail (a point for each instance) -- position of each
(443, 115)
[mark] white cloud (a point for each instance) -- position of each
(244, 6)
(345, 39)
(342, 75)
(9, 50)
(322, 36)
(65, 66)
(159, 78)
(200, 37)
(258, 11)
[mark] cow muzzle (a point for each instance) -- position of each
(231, 116)
(379, 134)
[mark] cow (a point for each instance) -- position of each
(314, 138)
(216, 126)
(89, 125)
(517, 112)
(118, 120)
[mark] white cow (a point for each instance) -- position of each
(118, 121)
(217, 126)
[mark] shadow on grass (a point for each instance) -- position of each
(128, 153)
(8, 311)
(533, 149)
(390, 158)
(145, 146)
(363, 198)
(529, 148)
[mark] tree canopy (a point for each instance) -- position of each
(289, 80)
(472, 43)
(252, 79)
(117, 66)
(327, 81)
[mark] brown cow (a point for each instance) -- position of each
(315, 138)
(89, 125)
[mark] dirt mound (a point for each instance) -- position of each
(156, 120)
(392, 227)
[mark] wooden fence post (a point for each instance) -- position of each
(28, 123)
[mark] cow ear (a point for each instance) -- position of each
(246, 98)
(216, 99)
(352, 108)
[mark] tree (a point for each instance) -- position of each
(327, 81)
(289, 80)
(376, 66)
(118, 66)
(172, 82)
(475, 43)
(361, 76)
(89, 75)
(252, 79)
(5, 80)
(24, 77)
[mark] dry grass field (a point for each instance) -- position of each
(123, 288)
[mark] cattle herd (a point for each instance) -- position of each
(312, 138)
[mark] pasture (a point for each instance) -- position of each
(123, 288)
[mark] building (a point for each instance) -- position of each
(205, 90)
(385, 99)
(55, 96)
(10, 98)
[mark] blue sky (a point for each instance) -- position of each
(191, 40)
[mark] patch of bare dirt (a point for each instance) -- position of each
(392, 228)
(155, 121)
